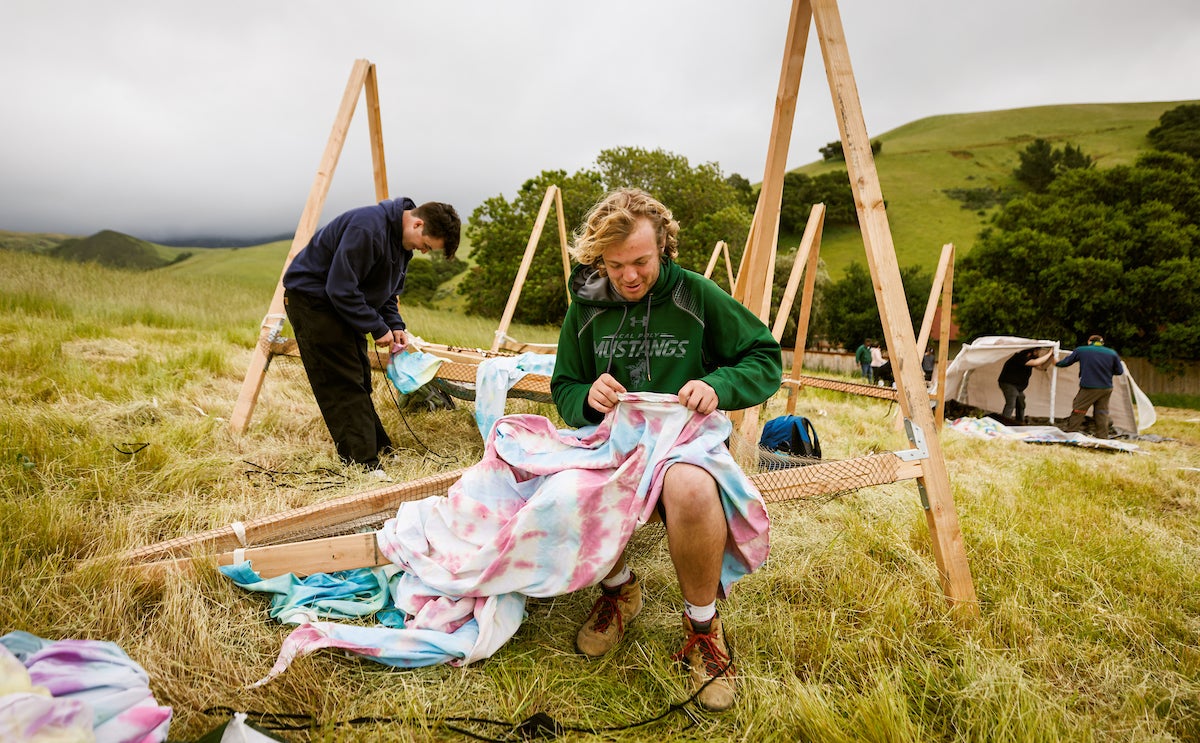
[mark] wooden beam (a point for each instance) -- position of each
(812, 236)
(301, 558)
(279, 527)
(754, 280)
(712, 259)
(941, 516)
(944, 337)
(375, 126)
(260, 359)
(563, 244)
(756, 274)
(935, 292)
(526, 260)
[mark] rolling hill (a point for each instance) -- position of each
(923, 160)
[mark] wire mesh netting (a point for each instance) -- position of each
(779, 477)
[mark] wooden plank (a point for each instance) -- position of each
(812, 236)
(941, 516)
(563, 245)
(810, 255)
(260, 358)
(526, 261)
(712, 259)
(302, 558)
(754, 281)
(939, 277)
(944, 337)
(756, 274)
(375, 126)
(264, 530)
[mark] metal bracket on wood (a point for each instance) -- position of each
(920, 451)
(917, 437)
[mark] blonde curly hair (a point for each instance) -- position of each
(614, 218)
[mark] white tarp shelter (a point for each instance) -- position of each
(971, 380)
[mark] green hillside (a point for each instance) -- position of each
(117, 250)
(920, 161)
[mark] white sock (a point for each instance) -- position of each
(700, 614)
(619, 579)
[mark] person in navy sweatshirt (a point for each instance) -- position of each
(1097, 367)
(341, 288)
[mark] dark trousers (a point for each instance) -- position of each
(1014, 402)
(1097, 399)
(335, 359)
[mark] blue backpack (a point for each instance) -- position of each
(791, 434)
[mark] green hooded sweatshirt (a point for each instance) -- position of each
(685, 328)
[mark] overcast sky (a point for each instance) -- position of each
(161, 118)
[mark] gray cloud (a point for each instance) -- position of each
(162, 118)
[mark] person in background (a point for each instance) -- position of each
(638, 322)
(862, 355)
(341, 288)
(927, 364)
(1098, 365)
(877, 361)
(1014, 378)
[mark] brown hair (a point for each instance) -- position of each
(614, 219)
(441, 221)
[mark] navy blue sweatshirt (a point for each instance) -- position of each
(1097, 366)
(358, 263)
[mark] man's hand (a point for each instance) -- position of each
(602, 397)
(394, 340)
(698, 396)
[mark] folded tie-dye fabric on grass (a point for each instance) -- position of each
(75, 690)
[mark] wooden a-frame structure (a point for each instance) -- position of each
(362, 77)
(553, 195)
(807, 257)
(754, 280)
(925, 461)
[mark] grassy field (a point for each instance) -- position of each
(1085, 563)
(923, 159)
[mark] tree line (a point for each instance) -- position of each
(1072, 250)
(1085, 250)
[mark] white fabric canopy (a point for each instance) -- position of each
(971, 380)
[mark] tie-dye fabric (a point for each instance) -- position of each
(70, 690)
(545, 512)
(494, 377)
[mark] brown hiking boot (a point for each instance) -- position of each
(712, 669)
(605, 626)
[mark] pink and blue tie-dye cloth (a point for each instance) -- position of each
(75, 690)
(544, 513)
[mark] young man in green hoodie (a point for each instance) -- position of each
(640, 323)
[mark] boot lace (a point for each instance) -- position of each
(716, 662)
(607, 609)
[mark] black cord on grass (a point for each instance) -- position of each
(538, 726)
(333, 477)
(132, 447)
(441, 458)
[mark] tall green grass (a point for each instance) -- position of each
(1085, 563)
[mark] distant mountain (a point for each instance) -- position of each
(115, 250)
(210, 241)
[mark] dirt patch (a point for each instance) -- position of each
(962, 154)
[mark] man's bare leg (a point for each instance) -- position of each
(696, 534)
(696, 531)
